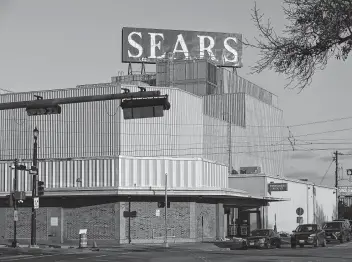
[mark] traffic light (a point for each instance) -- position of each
(162, 204)
(9, 200)
(145, 108)
(43, 110)
(40, 188)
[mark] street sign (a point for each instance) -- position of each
(157, 212)
(299, 211)
(300, 220)
(130, 214)
(15, 215)
(36, 202)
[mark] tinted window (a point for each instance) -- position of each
(306, 228)
(332, 225)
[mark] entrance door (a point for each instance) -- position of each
(248, 220)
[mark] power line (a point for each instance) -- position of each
(326, 172)
(325, 132)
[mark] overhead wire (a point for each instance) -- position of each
(326, 172)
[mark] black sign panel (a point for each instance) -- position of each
(148, 45)
(130, 214)
(277, 187)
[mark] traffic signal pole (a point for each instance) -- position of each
(34, 195)
(42, 103)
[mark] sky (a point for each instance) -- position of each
(60, 44)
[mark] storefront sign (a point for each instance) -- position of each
(345, 190)
(147, 45)
(277, 187)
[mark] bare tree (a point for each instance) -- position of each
(317, 30)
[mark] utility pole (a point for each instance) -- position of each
(14, 243)
(336, 154)
(165, 239)
(229, 127)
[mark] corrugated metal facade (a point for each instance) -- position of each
(229, 82)
(227, 107)
(258, 144)
(97, 129)
(195, 76)
(178, 133)
(81, 130)
(120, 172)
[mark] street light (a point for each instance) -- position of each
(34, 189)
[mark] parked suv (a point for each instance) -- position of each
(308, 234)
(337, 230)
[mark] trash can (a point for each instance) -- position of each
(83, 240)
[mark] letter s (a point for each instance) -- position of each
(135, 44)
(231, 50)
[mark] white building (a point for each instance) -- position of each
(96, 164)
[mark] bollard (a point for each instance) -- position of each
(82, 240)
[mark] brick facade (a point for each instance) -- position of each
(106, 224)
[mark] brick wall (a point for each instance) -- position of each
(148, 226)
(105, 223)
(208, 212)
(24, 223)
(101, 222)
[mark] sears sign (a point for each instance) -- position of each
(148, 45)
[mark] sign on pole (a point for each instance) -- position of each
(157, 213)
(36, 202)
(15, 215)
(299, 211)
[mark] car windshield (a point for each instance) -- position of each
(332, 225)
(306, 228)
(260, 233)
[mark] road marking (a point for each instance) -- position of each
(101, 256)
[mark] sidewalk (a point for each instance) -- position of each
(204, 246)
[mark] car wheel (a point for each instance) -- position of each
(341, 240)
(293, 246)
(324, 243)
(278, 245)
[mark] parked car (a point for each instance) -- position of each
(337, 230)
(263, 238)
(345, 221)
(308, 234)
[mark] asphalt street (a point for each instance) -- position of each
(341, 252)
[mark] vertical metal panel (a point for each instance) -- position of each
(64, 173)
(81, 130)
(177, 134)
(192, 173)
(258, 144)
(228, 107)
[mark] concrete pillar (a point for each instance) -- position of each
(122, 222)
(219, 213)
(192, 221)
